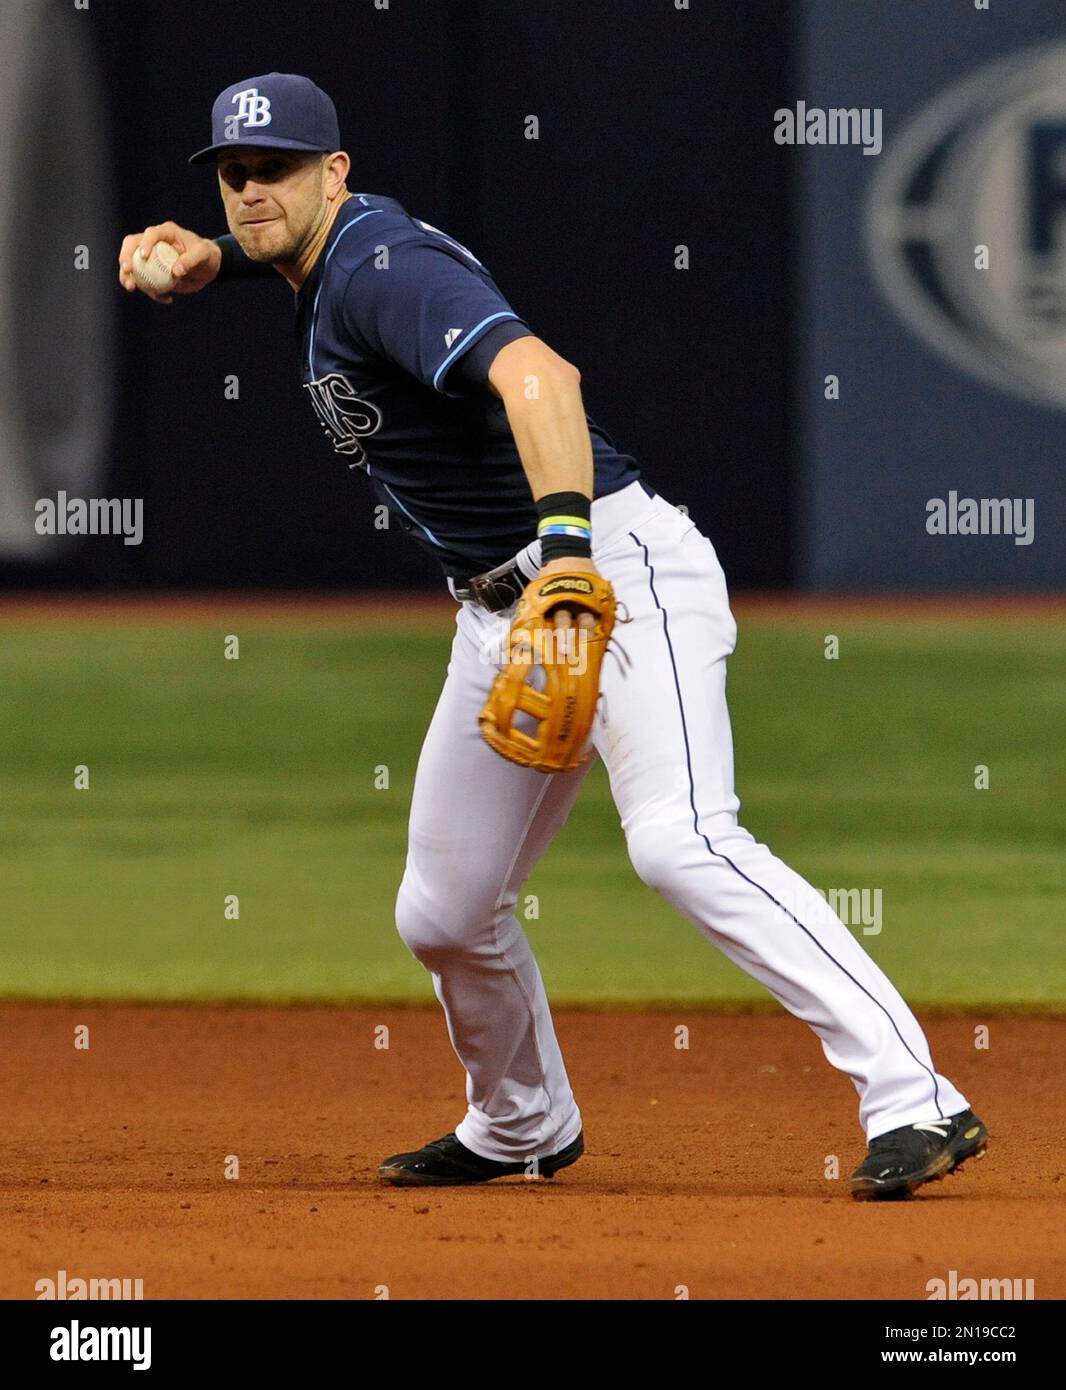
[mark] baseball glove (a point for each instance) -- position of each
(563, 703)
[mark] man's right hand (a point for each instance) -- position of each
(197, 264)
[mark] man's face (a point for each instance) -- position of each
(274, 199)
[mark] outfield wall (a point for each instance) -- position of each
(933, 297)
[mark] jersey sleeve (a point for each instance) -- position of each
(424, 310)
(473, 366)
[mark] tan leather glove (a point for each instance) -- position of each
(570, 660)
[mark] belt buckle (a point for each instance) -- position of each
(498, 588)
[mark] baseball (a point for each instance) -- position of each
(154, 273)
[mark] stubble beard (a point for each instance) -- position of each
(270, 247)
(259, 247)
(279, 242)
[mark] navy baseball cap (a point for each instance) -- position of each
(281, 111)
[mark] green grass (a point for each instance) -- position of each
(256, 777)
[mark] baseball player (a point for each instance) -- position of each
(473, 433)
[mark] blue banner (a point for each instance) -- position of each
(931, 135)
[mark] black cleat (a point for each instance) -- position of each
(448, 1163)
(902, 1159)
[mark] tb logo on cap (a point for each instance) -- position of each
(252, 109)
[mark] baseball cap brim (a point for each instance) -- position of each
(209, 155)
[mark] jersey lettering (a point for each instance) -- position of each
(344, 417)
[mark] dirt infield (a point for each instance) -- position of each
(705, 1168)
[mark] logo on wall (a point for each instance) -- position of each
(983, 165)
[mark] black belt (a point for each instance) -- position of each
(494, 590)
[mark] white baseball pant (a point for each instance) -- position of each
(479, 824)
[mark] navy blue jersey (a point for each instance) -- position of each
(397, 326)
